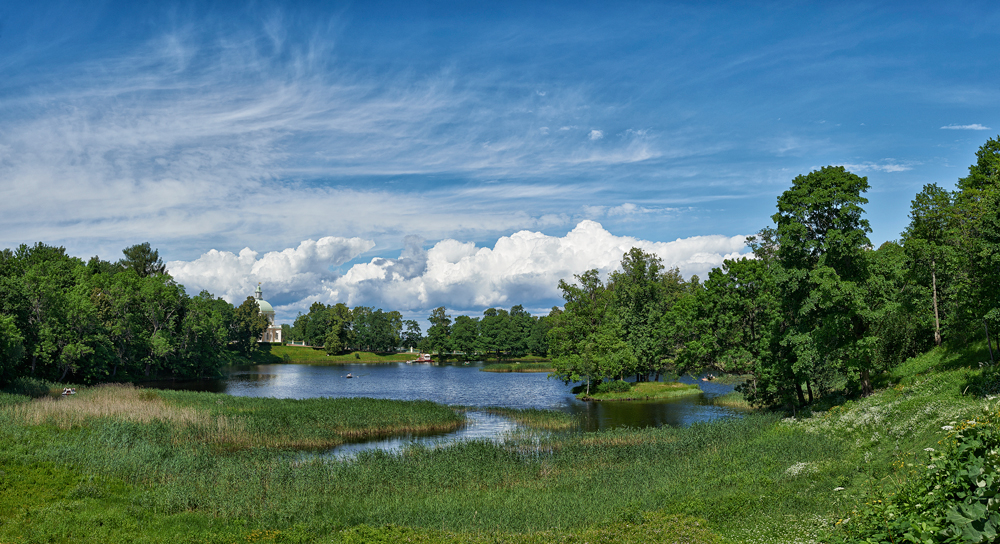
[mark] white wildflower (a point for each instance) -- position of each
(928, 449)
(947, 428)
(838, 489)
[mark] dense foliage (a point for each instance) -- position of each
(63, 319)
(815, 307)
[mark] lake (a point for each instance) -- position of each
(464, 385)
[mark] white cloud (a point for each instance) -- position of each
(288, 272)
(976, 126)
(596, 134)
(523, 268)
(887, 165)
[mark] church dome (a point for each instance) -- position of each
(264, 306)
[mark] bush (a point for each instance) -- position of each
(31, 387)
(617, 386)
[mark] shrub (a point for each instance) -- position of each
(950, 498)
(28, 386)
(617, 386)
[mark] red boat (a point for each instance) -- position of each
(424, 358)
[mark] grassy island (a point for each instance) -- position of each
(643, 391)
(518, 367)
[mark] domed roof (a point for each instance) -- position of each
(264, 306)
(261, 303)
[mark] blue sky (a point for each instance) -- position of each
(389, 154)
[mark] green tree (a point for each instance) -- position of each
(930, 240)
(247, 326)
(465, 335)
(587, 340)
(411, 335)
(439, 333)
(144, 260)
(11, 348)
(821, 236)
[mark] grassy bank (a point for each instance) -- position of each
(274, 354)
(549, 420)
(518, 367)
(644, 391)
(761, 478)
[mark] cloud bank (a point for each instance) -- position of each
(522, 268)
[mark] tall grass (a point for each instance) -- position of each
(518, 367)
(240, 422)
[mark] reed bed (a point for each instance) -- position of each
(518, 367)
(733, 399)
(644, 391)
(533, 418)
(234, 423)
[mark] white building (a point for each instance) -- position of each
(273, 332)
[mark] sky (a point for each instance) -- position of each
(409, 155)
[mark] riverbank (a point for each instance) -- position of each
(275, 354)
(643, 391)
(113, 477)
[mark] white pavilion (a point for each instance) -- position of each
(273, 332)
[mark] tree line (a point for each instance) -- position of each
(337, 328)
(62, 318)
(498, 334)
(815, 308)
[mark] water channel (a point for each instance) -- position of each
(460, 384)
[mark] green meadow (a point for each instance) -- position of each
(122, 464)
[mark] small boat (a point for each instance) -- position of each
(349, 375)
(424, 358)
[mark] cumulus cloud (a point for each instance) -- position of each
(291, 272)
(523, 268)
(596, 134)
(975, 126)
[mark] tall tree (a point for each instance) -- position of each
(439, 333)
(144, 260)
(247, 327)
(930, 240)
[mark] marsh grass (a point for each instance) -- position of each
(733, 399)
(518, 367)
(233, 423)
(645, 391)
(533, 418)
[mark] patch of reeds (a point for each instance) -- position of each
(643, 391)
(518, 367)
(533, 418)
(234, 423)
(733, 399)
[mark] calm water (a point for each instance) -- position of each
(464, 385)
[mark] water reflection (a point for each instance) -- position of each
(479, 426)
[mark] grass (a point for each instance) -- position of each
(518, 367)
(533, 418)
(232, 423)
(644, 391)
(125, 475)
(273, 354)
(733, 399)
